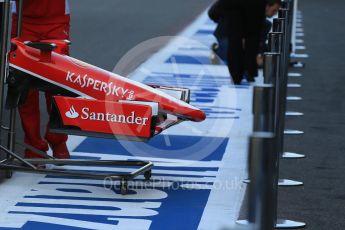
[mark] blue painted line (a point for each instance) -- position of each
(204, 94)
(181, 59)
(213, 109)
(23, 204)
(240, 87)
(158, 143)
(219, 107)
(210, 89)
(220, 112)
(223, 117)
(208, 77)
(36, 226)
(205, 32)
(198, 80)
(86, 198)
(189, 84)
(196, 169)
(73, 190)
(199, 100)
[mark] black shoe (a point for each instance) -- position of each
(250, 78)
(237, 81)
(214, 47)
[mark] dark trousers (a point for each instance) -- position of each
(222, 50)
(244, 30)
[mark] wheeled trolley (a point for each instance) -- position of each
(90, 101)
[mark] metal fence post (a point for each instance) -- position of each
(4, 48)
(281, 25)
(5, 31)
(262, 189)
(266, 148)
(280, 46)
(12, 123)
(264, 108)
(271, 65)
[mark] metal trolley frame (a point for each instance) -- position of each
(14, 162)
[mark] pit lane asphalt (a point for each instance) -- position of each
(103, 31)
(321, 201)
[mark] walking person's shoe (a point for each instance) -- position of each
(249, 77)
(215, 60)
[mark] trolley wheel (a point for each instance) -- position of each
(148, 175)
(124, 187)
(8, 174)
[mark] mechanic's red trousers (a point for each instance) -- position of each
(29, 111)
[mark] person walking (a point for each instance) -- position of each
(239, 28)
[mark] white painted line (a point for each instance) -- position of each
(293, 98)
(294, 75)
(293, 114)
(293, 132)
(293, 85)
(299, 55)
(301, 48)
